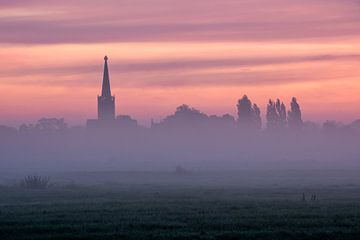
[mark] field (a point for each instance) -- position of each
(251, 205)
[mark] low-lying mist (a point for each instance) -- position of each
(188, 139)
(194, 147)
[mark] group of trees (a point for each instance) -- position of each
(248, 119)
(45, 125)
(248, 114)
(186, 116)
(277, 117)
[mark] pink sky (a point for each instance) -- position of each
(206, 53)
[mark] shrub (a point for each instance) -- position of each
(35, 182)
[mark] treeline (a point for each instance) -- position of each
(249, 117)
(188, 137)
(248, 120)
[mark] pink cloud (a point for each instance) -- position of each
(162, 20)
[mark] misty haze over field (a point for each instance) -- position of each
(188, 139)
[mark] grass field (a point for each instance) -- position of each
(163, 206)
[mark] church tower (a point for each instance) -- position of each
(106, 102)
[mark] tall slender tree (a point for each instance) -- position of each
(248, 114)
(244, 108)
(281, 111)
(276, 115)
(294, 115)
(257, 117)
(271, 115)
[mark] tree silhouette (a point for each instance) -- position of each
(294, 115)
(276, 115)
(271, 115)
(51, 125)
(184, 116)
(281, 111)
(248, 114)
(45, 125)
(256, 117)
(186, 113)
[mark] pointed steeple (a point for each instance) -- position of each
(106, 92)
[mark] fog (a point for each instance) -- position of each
(188, 139)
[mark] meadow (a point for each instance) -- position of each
(150, 205)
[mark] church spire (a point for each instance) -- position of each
(106, 92)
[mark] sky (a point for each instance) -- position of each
(163, 53)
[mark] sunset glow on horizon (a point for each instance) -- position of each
(206, 54)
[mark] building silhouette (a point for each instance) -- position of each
(106, 108)
(106, 102)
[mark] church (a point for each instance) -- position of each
(106, 108)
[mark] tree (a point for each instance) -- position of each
(248, 114)
(51, 125)
(271, 115)
(256, 117)
(186, 113)
(244, 108)
(281, 111)
(294, 115)
(276, 115)
(45, 126)
(184, 116)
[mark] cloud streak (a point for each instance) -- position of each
(82, 22)
(176, 73)
(175, 65)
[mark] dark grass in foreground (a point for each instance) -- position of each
(178, 212)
